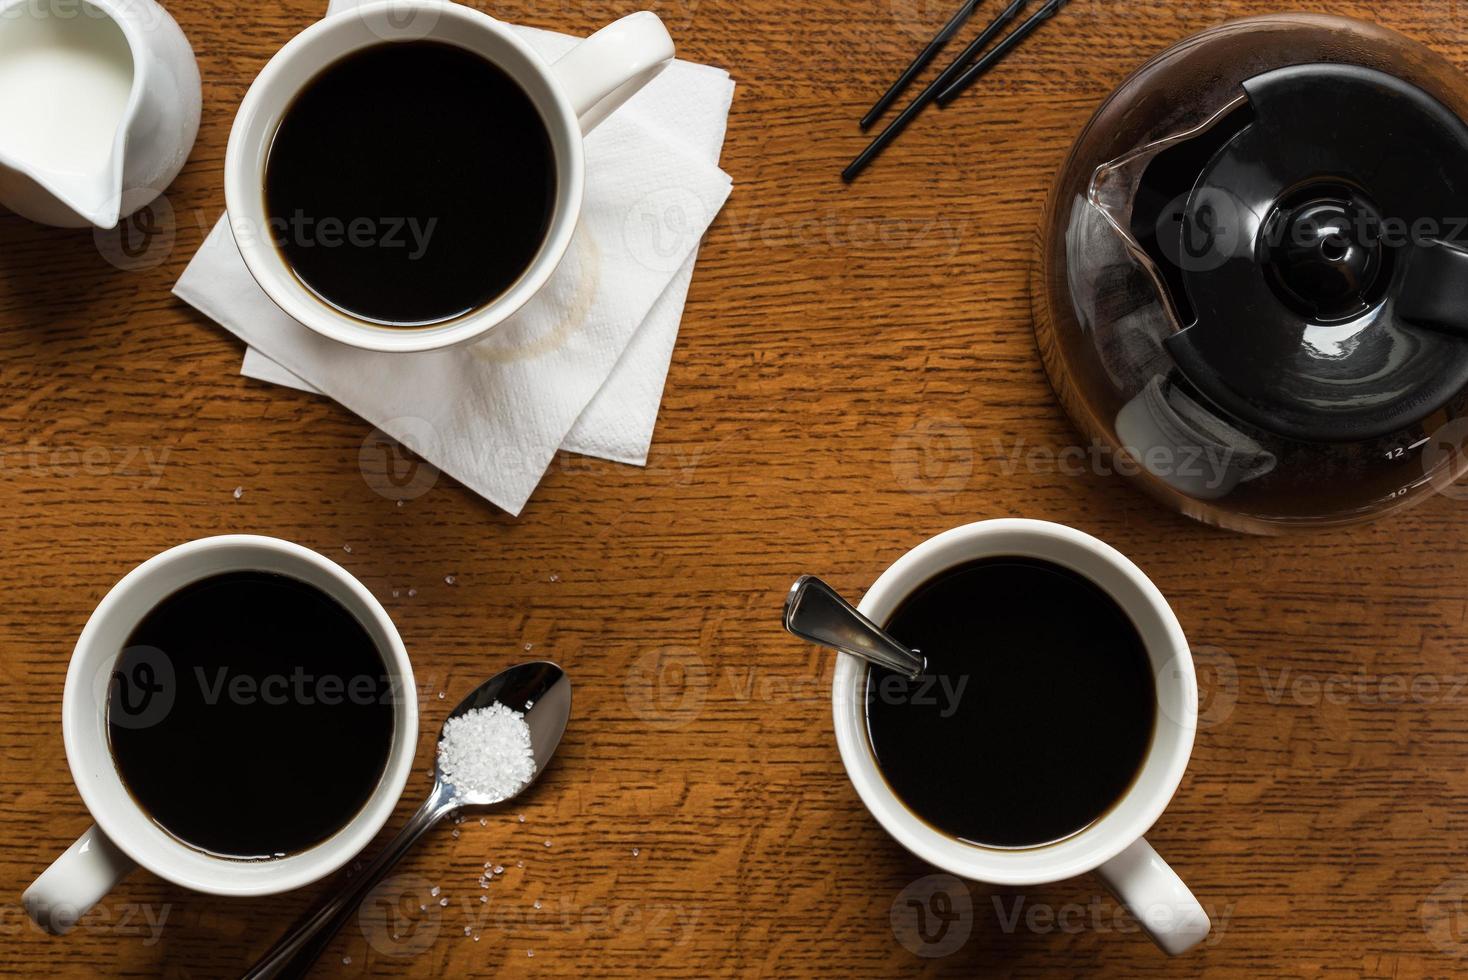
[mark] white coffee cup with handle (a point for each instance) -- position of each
(1113, 846)
(572, 96)
(124, 835)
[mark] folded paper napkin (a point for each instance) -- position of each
(582, 365)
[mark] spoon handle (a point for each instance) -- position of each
(815, 612)
(293, 955)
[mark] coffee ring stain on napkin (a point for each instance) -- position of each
(581, 266)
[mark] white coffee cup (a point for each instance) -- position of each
(125, 835)
(573, 96)
(1113, 846)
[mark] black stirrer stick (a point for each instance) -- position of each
(920, 62)
(899, 123)
(1001, 49)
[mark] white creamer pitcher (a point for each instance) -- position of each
(99, 107)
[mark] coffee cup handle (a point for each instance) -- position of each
(76, 881)
(608, 68)
(1156, 897)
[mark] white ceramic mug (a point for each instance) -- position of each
(124, 834)
(573, 96)
(1113, 846)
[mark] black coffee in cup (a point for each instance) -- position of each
(250, 715)
(1036, 712)
(410, 183)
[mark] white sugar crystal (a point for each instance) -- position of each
(486, 752)
(434, 891)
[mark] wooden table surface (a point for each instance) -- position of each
(855, 372)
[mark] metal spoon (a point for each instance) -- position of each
(814, 612)
(543, 692)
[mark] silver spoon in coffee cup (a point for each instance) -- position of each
(542, 691)
(816, 613)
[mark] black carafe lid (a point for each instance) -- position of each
(1323, 258)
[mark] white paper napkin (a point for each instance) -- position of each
(583, 364)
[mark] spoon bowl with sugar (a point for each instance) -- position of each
(492, 747)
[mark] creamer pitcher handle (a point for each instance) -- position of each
(608, 68)
(77, 880)
(1156, 897)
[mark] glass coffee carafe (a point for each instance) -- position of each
(1253, 274)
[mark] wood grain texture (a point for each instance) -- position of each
(855, 372)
